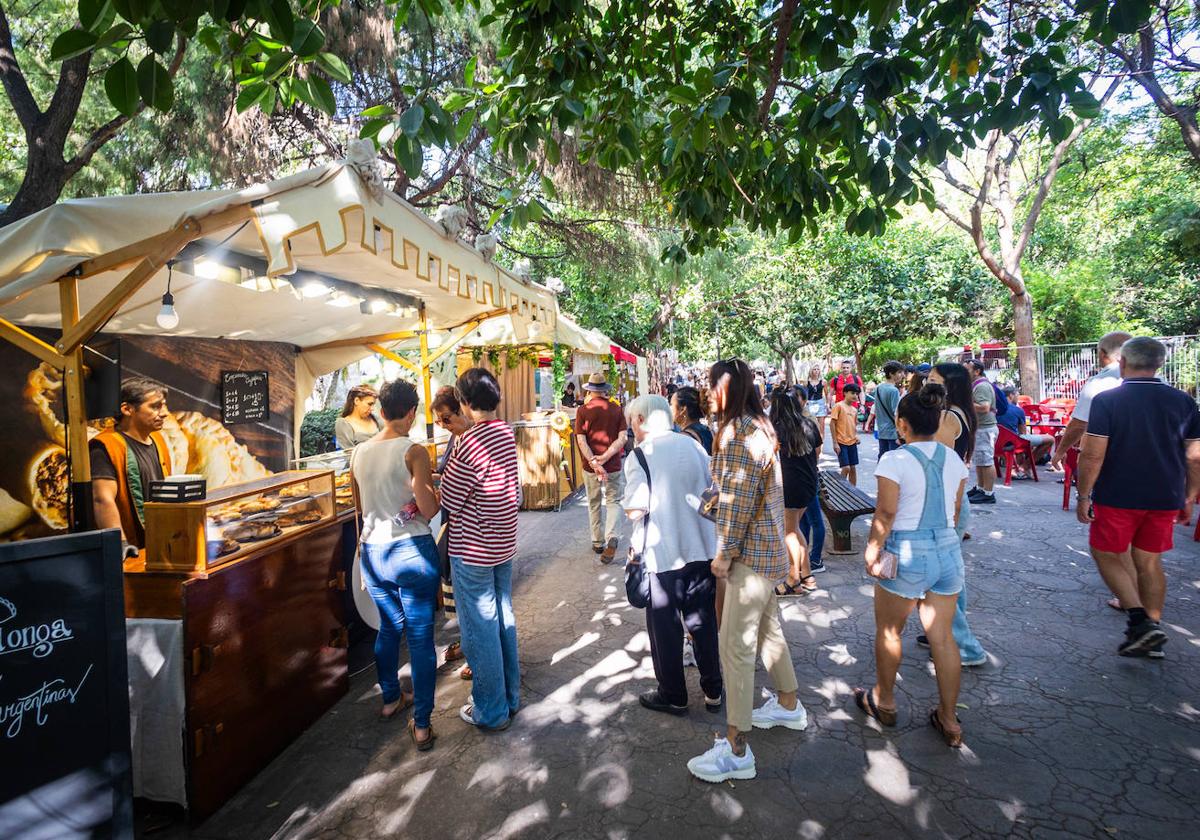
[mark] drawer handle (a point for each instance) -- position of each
(204, 736)
(338, 582)
(202, 658)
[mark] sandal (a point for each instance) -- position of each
(804, 582)
(423, 744)
(952, 739)
(466, 673)
(789, 590)
(454, 652)
(864, 699)
(406, 700)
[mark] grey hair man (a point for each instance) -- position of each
(1139, 473)
(1109, 377)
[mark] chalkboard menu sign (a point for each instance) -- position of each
(245, 396)
(64, 691)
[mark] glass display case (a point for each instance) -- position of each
(233, 521)
(339, 462)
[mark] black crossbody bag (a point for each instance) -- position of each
(637, 579)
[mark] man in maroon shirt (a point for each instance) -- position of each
(600, 432)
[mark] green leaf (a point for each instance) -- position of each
(409, 155)
(682, 94)
(548, 188)
(379, 111)
(719, 108)
(121, 87)
(252, 96)
(160, 35)
(463, 127)
(71, 43)
(322, 95)
(574, 106)
(308, 38)
(553, 151)
(457, 100)
(833, 110)
(281, 20)
(1024, 39)
(469, 73)
(372, 128)
(119, 32)
(410, 120)
(96, 15)
(155, 85)
(335, 67)
(1044, 28)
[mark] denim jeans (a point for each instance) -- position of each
(812, 525)
(402, 577)
(483, 595)
(968, 646)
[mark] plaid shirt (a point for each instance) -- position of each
(745, 466)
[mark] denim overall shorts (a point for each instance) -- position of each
(930, 555)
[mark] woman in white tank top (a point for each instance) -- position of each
(393, 485)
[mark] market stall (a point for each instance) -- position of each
(236, 301)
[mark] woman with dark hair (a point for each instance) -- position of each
(393, 484)
(914, 554)
(357, 422)
(689, 417)
(799, 442)
(481, 492)
(751, 557)
(448, 413)
(957, 430)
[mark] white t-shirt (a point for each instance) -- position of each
(385, 491)
(904, 469)
(679, 471)
(1105, 380)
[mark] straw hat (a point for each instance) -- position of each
(597, 382)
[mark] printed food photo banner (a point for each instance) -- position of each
(34, 470)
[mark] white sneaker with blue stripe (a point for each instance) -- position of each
(721, 763)
(772, 714)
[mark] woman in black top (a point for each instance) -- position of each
(799, 444)
(569, 399)
(689, 417)
(958, 420)
(813, 392)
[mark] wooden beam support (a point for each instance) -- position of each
(395, 357)
(426, 384)
(74, 336)
(31, 344)
(365, 341)
(455, 339)
(82, 514)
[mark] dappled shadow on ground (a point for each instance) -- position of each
(1063, 737)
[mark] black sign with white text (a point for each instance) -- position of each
(245, 396)
(64, 689)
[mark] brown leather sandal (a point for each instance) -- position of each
(466, 673)
(454, 652)
(406, 700)
(864, 699)
(422, 744)
(952, 739)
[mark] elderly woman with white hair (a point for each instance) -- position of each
(663, 486)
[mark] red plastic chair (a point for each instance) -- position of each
(1033, 414)
(1010, 447)
(1070, 465)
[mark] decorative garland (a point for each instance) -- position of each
(476, 356)
(561, 361)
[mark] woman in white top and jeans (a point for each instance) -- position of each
(920, 488)
(393, 483)
(676, 544)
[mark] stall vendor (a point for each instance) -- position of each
(127, 458)
(358, 422)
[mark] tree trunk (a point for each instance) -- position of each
(44, 180)
(789, 368)
(1031, 384)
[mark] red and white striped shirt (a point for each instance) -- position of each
(481, 490)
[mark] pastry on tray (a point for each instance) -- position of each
(294, 491)
(221, 515)
(303, 517)
(253, 531)
(258, 505)
(222, 547)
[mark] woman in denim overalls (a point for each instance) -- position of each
(929, 565)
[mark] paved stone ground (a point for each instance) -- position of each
(1064, 738)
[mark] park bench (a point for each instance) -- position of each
(842, 503)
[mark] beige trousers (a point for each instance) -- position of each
(750, 627)
(604, 497)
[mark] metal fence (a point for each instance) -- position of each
(1063, 368)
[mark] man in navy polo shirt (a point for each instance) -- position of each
(1139, 473)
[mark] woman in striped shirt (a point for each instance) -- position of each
(481, 491)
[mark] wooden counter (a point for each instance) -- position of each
(264, 651)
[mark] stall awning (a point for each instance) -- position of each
(239, 279)
(500, 331)
(622, 355)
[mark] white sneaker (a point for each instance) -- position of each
(689, 653)
(720, 763)
(771, 714)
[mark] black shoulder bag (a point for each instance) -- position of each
(637, 579)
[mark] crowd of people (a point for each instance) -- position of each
(721, 484)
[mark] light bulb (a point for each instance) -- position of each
(314, 289)
(207, 269)
(167, 317)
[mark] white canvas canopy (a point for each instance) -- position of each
(325, 259)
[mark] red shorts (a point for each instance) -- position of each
(1115, 529)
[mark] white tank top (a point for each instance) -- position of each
(385, 491)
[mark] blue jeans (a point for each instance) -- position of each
(928, 560)
(483, 596)
(812, 525)
(402, 577)
(968, 646)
